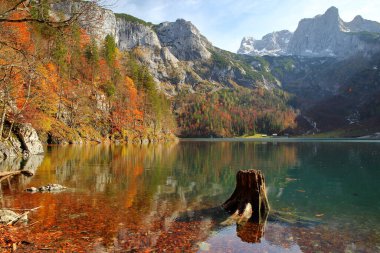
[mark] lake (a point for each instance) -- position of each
(156, 198)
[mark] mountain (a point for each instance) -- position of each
(325, 35)
(181, 58)
(273, 44)
(331, 68)
(177, 55)
(218, 93)
(329, 35)
(118, 77)
(212, 92)
(332, 94)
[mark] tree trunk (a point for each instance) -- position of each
(2, 121)
(250, 189)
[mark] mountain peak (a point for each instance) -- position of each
(358, 18)
(328, 35)
(332, 11)
(183, 40)
(181, 20)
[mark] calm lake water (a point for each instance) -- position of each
(161, 197)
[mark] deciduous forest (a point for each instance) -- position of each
(69, 85)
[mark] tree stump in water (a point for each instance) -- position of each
(250, 189)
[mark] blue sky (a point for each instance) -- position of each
(226, 22)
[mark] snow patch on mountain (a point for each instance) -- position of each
(274, 44)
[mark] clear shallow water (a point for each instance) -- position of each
(156, 198)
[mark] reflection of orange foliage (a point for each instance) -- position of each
(138, 170)
(132, 187)
(289, 155)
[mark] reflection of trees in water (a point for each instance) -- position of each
(138, 193)
(107, 168)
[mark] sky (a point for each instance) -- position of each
(226, 22)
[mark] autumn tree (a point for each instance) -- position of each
(16, 70)
(92, 57)
(55, 75)
(18, 61)
(110, 50)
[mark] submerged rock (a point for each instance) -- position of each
(8, 216)
(47, 188)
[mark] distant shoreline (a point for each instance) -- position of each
(279, 139)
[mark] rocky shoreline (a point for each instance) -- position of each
(25, 141)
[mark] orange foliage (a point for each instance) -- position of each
(84, 38)
(19, 33)
(132, 91)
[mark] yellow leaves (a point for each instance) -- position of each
(45, 88)
(129, 82)
(48, 75)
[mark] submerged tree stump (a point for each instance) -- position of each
(250, 232)
(250, 189)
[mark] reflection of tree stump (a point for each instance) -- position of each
(250, 232)
(250, 189)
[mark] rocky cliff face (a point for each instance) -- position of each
(180, 57)
(144, 41)
(183, 40)
(272, 44)
(329, 35)
(176, 53)
(29, 139)
(24, 142)
(325, 35)
(97, 21)
(359, 24)
(133, 34)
